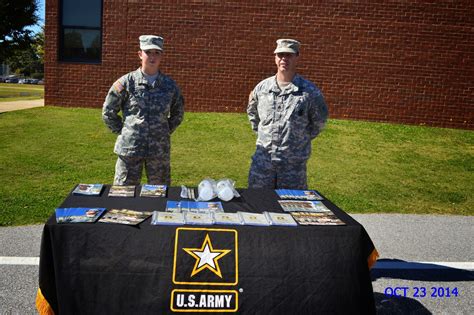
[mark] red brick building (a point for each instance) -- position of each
(401, 61)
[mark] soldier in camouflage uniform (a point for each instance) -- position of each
(152, 108)
(287, 112)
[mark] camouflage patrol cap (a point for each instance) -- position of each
(287, 46)
(151, 42)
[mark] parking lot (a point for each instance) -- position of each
(406, 244)
(19, 80)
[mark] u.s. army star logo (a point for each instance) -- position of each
(207, 257)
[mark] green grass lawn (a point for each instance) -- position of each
(15, 92)
(362, 167)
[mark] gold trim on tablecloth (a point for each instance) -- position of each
(372, 258)
(42, 304)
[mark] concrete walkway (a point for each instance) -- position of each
(17, 105)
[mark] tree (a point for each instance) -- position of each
(39, 44)
(29, 60)
(16, 16)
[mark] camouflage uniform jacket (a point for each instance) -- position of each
(150, 113)
(286, 120)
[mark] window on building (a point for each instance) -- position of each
(80, 27)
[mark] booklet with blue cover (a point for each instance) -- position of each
(298, 194)
(193, 206)
(78, 215)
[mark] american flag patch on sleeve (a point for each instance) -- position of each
(118, 86)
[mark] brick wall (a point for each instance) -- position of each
(403, 61)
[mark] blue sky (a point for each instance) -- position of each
(37, 28)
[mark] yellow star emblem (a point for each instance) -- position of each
(207, 257)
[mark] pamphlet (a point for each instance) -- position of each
(153, 190)
(284, 219)
(306, 206)
(250, 218)
(122, 191)
(194, 206)
(227, 218)
(167, 218)
(314, 218)
(298, 194)
(88, 189)
(78, 215)
(125, 216)
(198, 218)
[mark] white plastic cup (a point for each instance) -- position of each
(225, 193)
(224, 190)
(206, 194)
(205, 190)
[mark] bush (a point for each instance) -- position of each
(38, 76)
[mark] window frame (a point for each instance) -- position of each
(61, 30)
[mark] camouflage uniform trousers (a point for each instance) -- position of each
(276, 175)
(128, 170)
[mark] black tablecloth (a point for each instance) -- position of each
(100, 268)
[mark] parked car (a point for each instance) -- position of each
(2, 80)
(11, 79)
(28, 81)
